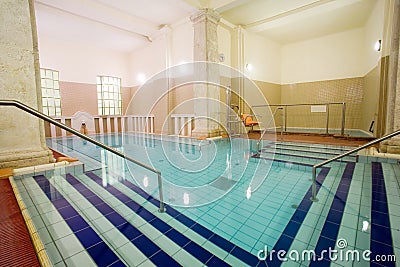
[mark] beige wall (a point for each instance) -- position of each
(341, 90)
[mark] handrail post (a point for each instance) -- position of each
(285, 119)
(327, 119)
(281, 124)
(314, 184)
(160, 189)
(343, 118)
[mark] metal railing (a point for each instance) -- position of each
(284, 106)
(266, 128)
(87, 138)
(314, 168)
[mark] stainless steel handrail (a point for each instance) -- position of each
(318, 104)
(266, 127)
(314, 168)
(87, 138)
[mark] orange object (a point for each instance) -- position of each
(248, 121)
(59, 159)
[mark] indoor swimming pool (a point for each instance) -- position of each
(227, 204)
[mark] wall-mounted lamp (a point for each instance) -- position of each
(141, 78)
(378, 45)
(249, 67)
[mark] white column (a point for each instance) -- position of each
(22, 136)
(205, 24)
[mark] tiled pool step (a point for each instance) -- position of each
(298, 231)
(301, 156)
(313, 147)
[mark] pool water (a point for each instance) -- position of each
(116, 204)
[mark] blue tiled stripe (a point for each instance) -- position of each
(143, 243)
(331, 227)
(289, 233)
(91, 241)
(193, 248)
(381, 235)
(221, 242)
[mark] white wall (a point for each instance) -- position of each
(373, 32)
(78, 62)
(265, 57)
(182, 42)
(148, 61)
(335, 56)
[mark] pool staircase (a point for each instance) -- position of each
(97, 218)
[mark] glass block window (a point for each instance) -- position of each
(109, 101)
(51, 98)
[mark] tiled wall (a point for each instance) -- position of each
(83, 97)
(341, 90)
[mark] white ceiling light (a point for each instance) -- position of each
(141, 78)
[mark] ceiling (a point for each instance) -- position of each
(126, 25)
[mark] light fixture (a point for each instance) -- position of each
(378, 45)
(141, 78)
(249, 67)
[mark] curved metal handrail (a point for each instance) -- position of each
(89, 139)
(314, 168)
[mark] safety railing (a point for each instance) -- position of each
(327, 105)
(89, 139)
(314, 168)
(266, 128)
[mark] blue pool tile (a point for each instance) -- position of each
(185, 220)
(88, 237)
(330, 230)
(145, 245)
(177, 237)
(379, 206)
(323, 245)
(215, 261)
(102, 255)
(68, 212)
(60, 203)
(299, 216)
(129, 231)
(133, 205)
(222, 243)
(163, 259)
(83, 238)
(203, 231)
(292, 228)
(145, 214)
(115, 218)
(76, 223)
(334, 216)
(118, 263)
(160, 225)
(381, 236)
(195, 249)
(244, 256)
(104, 208)
(380, 218)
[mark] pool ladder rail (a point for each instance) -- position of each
(89, 139)
(314, 168)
